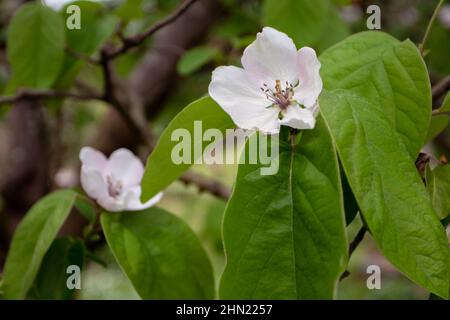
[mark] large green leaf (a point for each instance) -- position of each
(438, 186)
(96, 27)
(284, 234)
(51, 281)
(388, 188)
(35, 46)
(388, 72)
(161, 170)
(32, 238)
(160, 255)
(307, 22)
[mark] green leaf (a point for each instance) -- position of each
(388, 189)
(196, 58)
(35, 46)
(284, 234)
(387, 72)
(85, 207)
(160, 254)
(51, 281)
(438, 186)
(307, 22)
(445, 108)
(130, 10)
(96, 27)
(161, 170)
(437, 125)
(31, 240)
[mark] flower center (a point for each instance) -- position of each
(114, 186)
(281, 97)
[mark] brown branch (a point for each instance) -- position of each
(38, 94)
(204, 184)
(81, 56)
(352, 247)
(441, 88)
(136, 40)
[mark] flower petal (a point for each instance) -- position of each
(132, 201)
(111, 204)
(93, 182)
(310, 82)
(93, 159)
(240, 97)
(123, 165)
(299, 118)
(272, 56)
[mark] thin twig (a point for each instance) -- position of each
(352, 247)
(38, 94)
(81, 56)
(430, 25)
(204, 184)
(136, 40)
(442, 87)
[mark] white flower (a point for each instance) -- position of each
(277, 86)
(115, 182)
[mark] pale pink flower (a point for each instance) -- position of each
(277, 85)
(115, 182)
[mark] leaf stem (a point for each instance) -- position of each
(429, 27)
(352, 247)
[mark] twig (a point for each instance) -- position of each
(136, 40)
(81, 56)
(37, 94)
(206, 185)
(352, 247)
(430, 25)
(441, 88)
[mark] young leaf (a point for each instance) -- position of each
(35, 46)
(95, 27)
(32, 238)
(160, 254)
(195, 58)
(51, 281)
(438, 186)
(284, 234)
(386, 72)
(388, 188)
(161, 170)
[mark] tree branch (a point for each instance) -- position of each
(38, 94)
(136, 40)
(441, 88)
(204, 184)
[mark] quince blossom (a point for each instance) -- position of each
(115, 182)
(277, 85)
